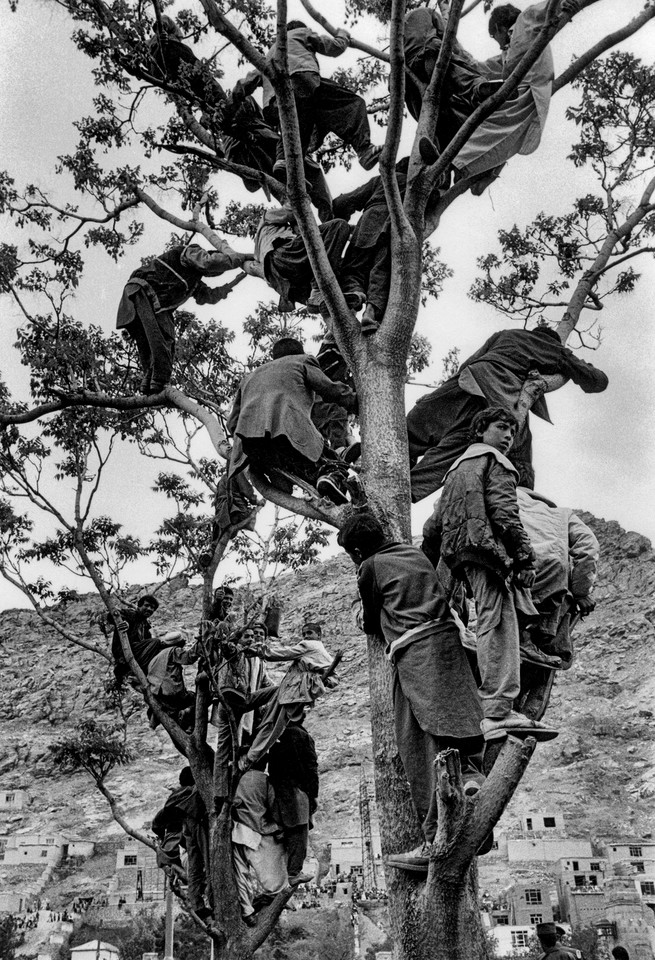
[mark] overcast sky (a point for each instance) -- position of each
(599, 452)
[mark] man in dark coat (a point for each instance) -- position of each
(329, 417)
(182, 821)
(144, 646)
(436, 704)
(438, 426)
(322, 106)
(155, 290)
(271, 420)
(176, 63)
(481, 538)
(293, 772)
(282, 257)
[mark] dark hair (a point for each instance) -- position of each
(148, 598)
(186, 777)
(312, 625)
(504, 16)
(296, 25)
(620, 953)
(287, 347)
(363, 532)
(547, 939)
(261, 625)
(481, 420)
(546, 331)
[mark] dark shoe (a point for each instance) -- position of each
(250, 920)
(352, 452)
(280, 171)
(532, 654)
(517, 725)
(299, 878)
(369, 157)
(204, 913)
(144, 386)
(315, 301)
(155, 387)
(262, 900)
(355, 297)
(473, 782)
(370, 324)
(416, 861)
(428, 151)
(331, 486)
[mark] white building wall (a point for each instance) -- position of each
(547, 850)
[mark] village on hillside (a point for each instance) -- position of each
(536, 873)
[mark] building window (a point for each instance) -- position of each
(593, 880)
(528, 823)
(576, 865)
(49, 840)
(549, 821)
(129, 861)
(635, 852)
(502, 921)
(533, 896)
(2, 854)
(648, 888)
(520, 938)
(639, 866)
(579, 880)
(44, 853)
(536, 918)
(494, 845)
(10, 797)
(594, 866)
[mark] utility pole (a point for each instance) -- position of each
(168, 934)
(368, 865)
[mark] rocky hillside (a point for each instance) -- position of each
(600, 771)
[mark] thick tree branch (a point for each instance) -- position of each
(602, 46)
(66, 634)
(222, 25)
(355, 44)
(590, 277)
(119, 816)
(81, 398)
(399, 222)
(316, 508)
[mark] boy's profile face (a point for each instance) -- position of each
(499, 434)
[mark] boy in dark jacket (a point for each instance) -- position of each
(436, 704)
(478, 532)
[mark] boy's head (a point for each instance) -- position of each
(296, 25)
(620, 953)
(287, 347)
(260, 631)
(547, 934)
(545, 331)
(501, 21)
(361, 536)
(496, 427)
(186, 777)
(311, 631)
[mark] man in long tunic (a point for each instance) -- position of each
(435, 700)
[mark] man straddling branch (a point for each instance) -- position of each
(284, 262)
(477, 531)
(322, 106)
(155, 290)
(435, 700)
(272, 426)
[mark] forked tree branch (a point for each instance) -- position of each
(316, 508)
(119, 816)
(355, 44)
